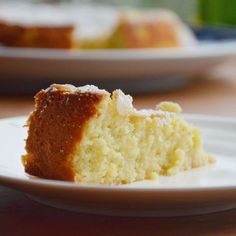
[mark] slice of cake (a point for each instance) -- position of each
(88, 135)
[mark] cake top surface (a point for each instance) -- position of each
(123, 102)
(73, 89)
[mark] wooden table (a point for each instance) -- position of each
(21, 216)
(212, 97)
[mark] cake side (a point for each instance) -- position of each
(54, 127)
(37, 36)
(40, 25)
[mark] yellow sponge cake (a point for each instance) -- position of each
(87, 135)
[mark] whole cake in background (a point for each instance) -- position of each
(73, 26)
(87, 135)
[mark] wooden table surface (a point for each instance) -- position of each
(212, 97)
(21, 216)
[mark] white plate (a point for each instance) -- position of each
(198, 191)
(105, 65)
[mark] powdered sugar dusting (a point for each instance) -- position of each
(72, 89)
(90, 88)
(124, 103)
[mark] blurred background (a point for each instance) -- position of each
(157, 72)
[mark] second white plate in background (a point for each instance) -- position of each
(35, 65)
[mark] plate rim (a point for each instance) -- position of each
(208, 50)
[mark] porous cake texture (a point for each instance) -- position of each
(88, 135)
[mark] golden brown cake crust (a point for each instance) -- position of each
(36, 36)
(147, 34)
(54, 127)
